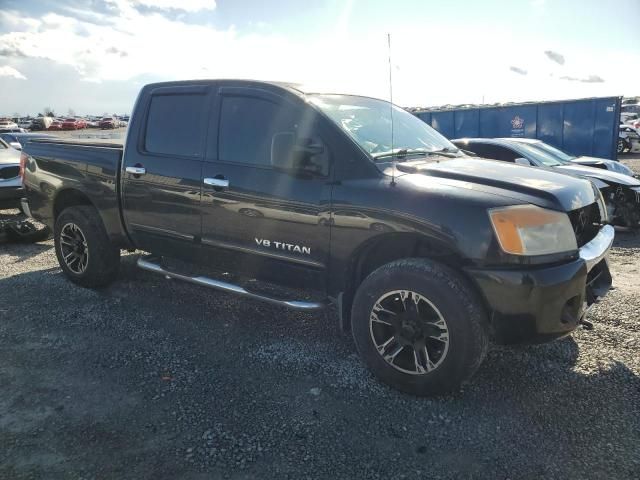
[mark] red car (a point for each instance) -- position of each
(56, 125)
(74, 124)
(108, 122)
(70, 124)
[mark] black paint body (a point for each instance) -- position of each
(344, 219)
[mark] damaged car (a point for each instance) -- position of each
(10, 182)
(628, 139)
(619, 188)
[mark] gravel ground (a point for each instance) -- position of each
(157, 379)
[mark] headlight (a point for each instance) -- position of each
(620, 168)
(602, 207)
(531, 230)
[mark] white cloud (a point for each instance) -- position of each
(7, 71)
(188, 5)
(470, 65)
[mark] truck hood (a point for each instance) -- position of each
(603, 163)
(9, 155)
(601, 174)
(537, 186)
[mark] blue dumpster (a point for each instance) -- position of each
(580, 127)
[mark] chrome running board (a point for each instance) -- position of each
(150, 264)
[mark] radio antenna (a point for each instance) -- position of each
(393, 158)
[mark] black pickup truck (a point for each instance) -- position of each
(426, 254)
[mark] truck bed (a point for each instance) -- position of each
(79, 142)
(57, 167)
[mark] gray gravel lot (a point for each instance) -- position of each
(157, 379)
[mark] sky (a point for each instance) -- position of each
(92, 56)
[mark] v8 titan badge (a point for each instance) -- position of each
(288, 247)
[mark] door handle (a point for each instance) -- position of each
(217, 182)
(136, 170)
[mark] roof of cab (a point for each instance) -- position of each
(297, 89)
(291, 87)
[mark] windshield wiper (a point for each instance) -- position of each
(402, 153)
(446, 152)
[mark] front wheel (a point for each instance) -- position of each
(419, 327)
(83, 248)
(622, 145)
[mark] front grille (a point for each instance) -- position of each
(9, 172)
(586, 223)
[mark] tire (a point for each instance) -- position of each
(448, 309)
(621, 145)
(102, 259)
(251, 213)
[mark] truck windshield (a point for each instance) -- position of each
(368, 122)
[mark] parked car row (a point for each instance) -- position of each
(67, 123)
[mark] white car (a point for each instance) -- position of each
(632, 119)
(628, 139)
(630, 108)
(25, 124)
(10, 182)
(6, 123)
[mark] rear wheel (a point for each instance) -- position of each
(83, 248)
(251, 212)
(419, 327)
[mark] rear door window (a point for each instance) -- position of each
(176, 125)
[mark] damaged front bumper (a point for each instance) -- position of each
(624, 206)
(537, 304)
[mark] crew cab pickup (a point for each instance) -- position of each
(345, 200)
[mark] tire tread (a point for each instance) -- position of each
(104, 257)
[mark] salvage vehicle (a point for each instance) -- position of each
(628, 139)
(41, 123)
(621, 191)
(55, 125)
(630, 108)
(26, 124)
(10, 181)
(7, 123)
(70, 124)
(463, 250)
(108, 123)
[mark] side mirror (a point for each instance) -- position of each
(522, 161)
(282, 145)
(289, 153)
